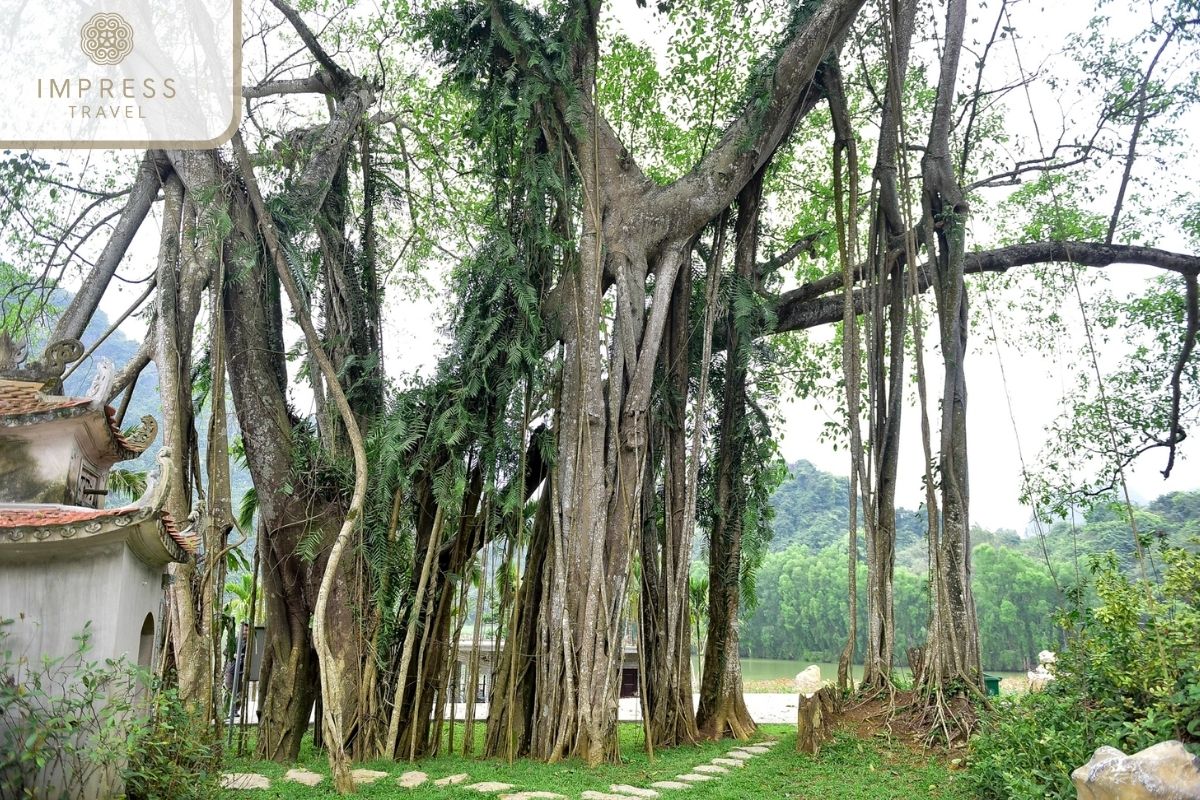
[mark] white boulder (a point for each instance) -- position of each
(1165, 771)
(808, 682)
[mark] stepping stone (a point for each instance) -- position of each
(305, 776)
(366, 776)
(768, 743)
(450, 780)
(692, 777)
(411, 780)
(591, 795)
(670, 785)
(635, 791)
(532, 796)
(244, 780)
(757, 749)
(712, 769)
(487, 787)
(727, 762)
(741, 755)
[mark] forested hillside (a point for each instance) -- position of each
(811, 509)
(801, 587)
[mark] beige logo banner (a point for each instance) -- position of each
(120, 73)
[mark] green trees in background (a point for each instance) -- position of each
(1020, 584)
(801, 611)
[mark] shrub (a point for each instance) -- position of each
(68, 724)
(1029, 745)
(63, 722)
(1129, 677)
(175, 755)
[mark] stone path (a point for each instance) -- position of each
(713, 770)
(411, 780)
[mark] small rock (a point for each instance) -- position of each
(670, 785)
(490, 786)
(757, 749)
(740, 755)
(366, 776)
(244, 780)
(531, 796)
(411, 780)
(305, 776)
(693, 777)
(592, 795)
(728, 762)
(450, 780)
(808, 681)
(1165, 771)
(710, 768)
(635, 791)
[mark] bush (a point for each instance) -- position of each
(175, 754)
(1029, 745)
(63, 722)
(69, 724)
(1129, 677)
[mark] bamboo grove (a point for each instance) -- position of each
(619, 333)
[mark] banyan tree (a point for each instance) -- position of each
(628, 253)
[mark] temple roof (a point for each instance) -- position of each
(144, 525)
(25, 403)
(47, 516)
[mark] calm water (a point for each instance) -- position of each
(766, 669)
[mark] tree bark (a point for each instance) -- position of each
(952, 650)
(722, 710)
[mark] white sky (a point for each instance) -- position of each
(412, 343)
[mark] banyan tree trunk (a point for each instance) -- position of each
(510, 715)
(952, 651)
(666, 551)
(722, 708)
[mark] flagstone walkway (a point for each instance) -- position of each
(709, 771)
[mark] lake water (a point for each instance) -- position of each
(766, 669)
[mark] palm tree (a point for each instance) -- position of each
(237, 607)
(698, 607)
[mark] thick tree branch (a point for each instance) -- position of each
(810, 305)
(317, 83)
(752, 139)
(340, 76)
(74, 320)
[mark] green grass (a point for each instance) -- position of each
(847, 768)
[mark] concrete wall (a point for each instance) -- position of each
(50, 601)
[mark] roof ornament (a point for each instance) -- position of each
(157, 482)
(101, 383)
(14, 364)
(137, 439)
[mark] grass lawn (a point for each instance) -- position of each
(849, 768)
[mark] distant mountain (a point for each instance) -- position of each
(812, 508)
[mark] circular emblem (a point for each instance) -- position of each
(106, 39)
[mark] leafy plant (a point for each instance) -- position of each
(176, 756)
(1130, 677)
(70, 724)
